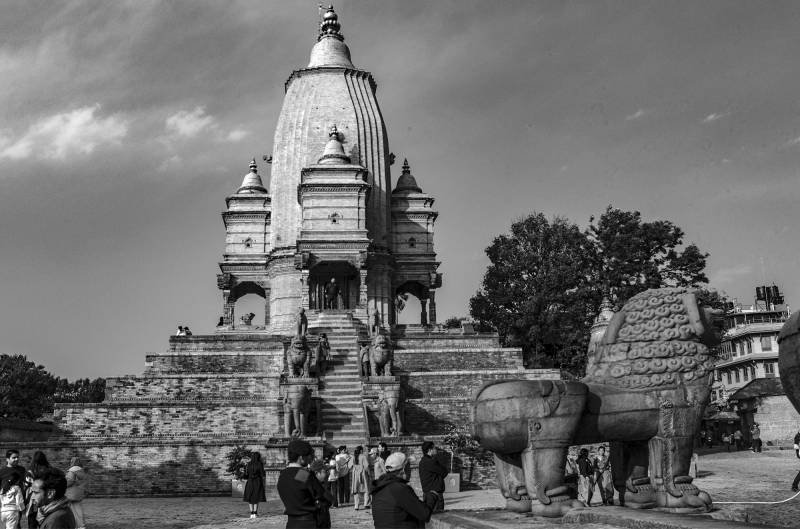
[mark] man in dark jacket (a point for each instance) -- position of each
(48, 492)
(432, 473)
(299, 489)
(394, 503)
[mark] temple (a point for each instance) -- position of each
(332, 250)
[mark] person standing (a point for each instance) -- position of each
(12, 501)
(796, 481)
(364, 360)
(39, 465)
(379, 465)
(299, 489)
(359, 478)
(602, 476)
(585, 477)
(394, 503)
(319, 468)
(76, 491)
(431, 474)
(48, 492)
(254, 491)
(755, 435)
(737, 438)
(333, 481)
(344, 464)
(323, 354)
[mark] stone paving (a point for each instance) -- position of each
(742, 476)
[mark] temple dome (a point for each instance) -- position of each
(252, 184)
(406, 182)
(334, 152)
(330, 49)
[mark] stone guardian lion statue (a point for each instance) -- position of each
(647, 386)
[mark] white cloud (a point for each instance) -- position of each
(714, 117)
(236, 135)
(56, 137)
(189, 123)
(636, 115)
(186, 124)
(793, 142)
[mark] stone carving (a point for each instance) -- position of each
(381, 355)
(647, 386)
(298, 357)
(247, 319)
(296, 407)
(301, 323)
(389, 412)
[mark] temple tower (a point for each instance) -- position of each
(247, 245)
(412, 225)
(329, 91)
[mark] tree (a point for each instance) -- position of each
(82, 390)
(539, 290)
(547, 279)
(636, 255)
(26, 389)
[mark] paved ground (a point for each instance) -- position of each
(742, 476)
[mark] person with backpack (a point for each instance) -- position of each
(395, 505)
(76, 491)
(299, 489)
(344, 464)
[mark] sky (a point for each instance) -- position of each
(123, 126)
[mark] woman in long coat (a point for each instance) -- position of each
(359, 477)
(254, 487)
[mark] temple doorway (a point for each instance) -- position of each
(339, 294)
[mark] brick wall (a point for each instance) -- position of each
(462, 359)
(444, 340)
(188, 387)
(20, 430)
(192, 417)
(217, 362)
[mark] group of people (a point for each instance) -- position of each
(376, 480)
(183, 330)
(591, 472)
(734, 439)
(44, 496)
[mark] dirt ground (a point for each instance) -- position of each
(728, 477)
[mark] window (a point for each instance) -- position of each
(248, 242)
(769, 368)
(736, 375)
(729, 377)
(334, 217)
(713, 395)
(753, 372)
(734, 349)
(719, 376)
(749, 346)
(766, 343)
(746, 374)
(412, 242)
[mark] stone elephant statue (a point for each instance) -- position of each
(647, 386)
(296, 408)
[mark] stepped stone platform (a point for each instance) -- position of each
(166, 431)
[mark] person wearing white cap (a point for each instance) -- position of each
(395, 505)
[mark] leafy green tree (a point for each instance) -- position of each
(26, 389)
(539, 290)
(636, 255)
(82, 390)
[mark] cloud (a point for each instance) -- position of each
(236, 135)
(714, 117)
(731, 274)
(58, 136)
(189, 123)
(792, 142)
(636, 115)
(186, 124)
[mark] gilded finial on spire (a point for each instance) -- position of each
(406, 167)
(334, 133)
(253, 166)
(329, 27)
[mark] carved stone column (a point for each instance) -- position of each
(304, 289)
(266, 309)
(362, 289)
(227, 307)
(423, 317)
(432, 308)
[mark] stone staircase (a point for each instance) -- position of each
(340, 388)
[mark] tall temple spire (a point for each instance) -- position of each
(330, 49)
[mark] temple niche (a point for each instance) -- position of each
(331, 250)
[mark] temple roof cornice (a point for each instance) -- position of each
(327, 69)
